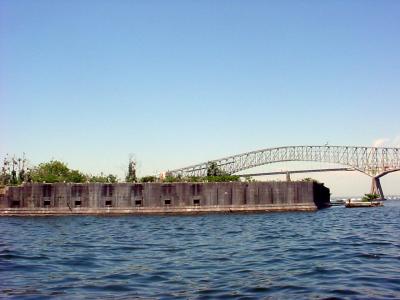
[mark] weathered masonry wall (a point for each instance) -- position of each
(128, 198)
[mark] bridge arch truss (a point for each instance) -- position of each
(372, 161)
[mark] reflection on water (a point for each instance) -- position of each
(336, 252)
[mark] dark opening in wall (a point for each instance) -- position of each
(137, 190)
(138, 202)
(15, 203)
(107, 190)
(167, 201)
(196, 189)
(196, 201)
(245, 194)
(78, 203)
(108, 203)
(168, 189)
(28, 191)
(76, 190)
(47, 202)
(46, 190)
(272, 196)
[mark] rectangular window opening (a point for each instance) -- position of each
(196, 201)
(47, 202)
(137, 190)
(15, 203)
(138, 202)
(108, 203)
(168, 190)
(76, 191)
(195, 189)
(167, 202)
(78, 203)
(46, 190)
(107, 190)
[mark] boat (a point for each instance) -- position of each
(352, 204)
(338, 202)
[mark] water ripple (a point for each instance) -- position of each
(334, 253)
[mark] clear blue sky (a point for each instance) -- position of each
(180, 82)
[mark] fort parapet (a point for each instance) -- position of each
(161, 198)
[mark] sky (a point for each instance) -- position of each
(175, 83)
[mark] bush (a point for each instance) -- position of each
(223, 178)
(148, 179)
(102, 178)
(51, 172)
(370, 197)
(57, 171)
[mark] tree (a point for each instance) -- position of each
(171, 178)
(370, 197)
(214, 170)
(148, 179)
(13, 171)
(76, 176)
(309, 179)
(102, 178)
(56, 171)
(112, 178)
(215, 174)
(50, 172)
(131, 176)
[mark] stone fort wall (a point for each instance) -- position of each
(138, 198)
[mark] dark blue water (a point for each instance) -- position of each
(336, 252)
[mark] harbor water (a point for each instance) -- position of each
(331, 253)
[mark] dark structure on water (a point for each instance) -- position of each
(161, 198)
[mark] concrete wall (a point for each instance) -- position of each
(67, 198)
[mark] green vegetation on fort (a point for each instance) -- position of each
(370, 197)
(309, 179)
(15, 172)
(220, 178)
(214, 174)
(131, 176)
(148, 179)
(55, 171)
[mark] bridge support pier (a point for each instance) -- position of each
(288, 176)
(376, 187)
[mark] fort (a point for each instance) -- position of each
(41, 199)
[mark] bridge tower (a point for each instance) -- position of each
(376, 187)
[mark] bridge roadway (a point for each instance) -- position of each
(295, 172)
(372, 161)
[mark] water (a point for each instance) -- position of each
(336, 252)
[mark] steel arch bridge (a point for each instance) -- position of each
(372, 161)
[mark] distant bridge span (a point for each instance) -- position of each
(372, 161)
(297, 172)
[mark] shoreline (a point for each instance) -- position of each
(189, 210)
